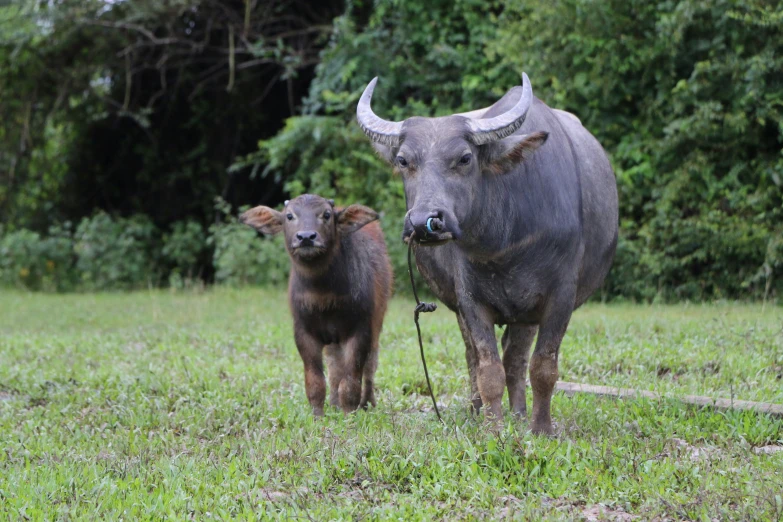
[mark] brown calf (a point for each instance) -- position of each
(339, 285)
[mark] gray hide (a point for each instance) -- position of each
(514, 209)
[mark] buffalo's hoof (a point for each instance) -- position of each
(542, 428)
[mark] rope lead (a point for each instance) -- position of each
(421, 307)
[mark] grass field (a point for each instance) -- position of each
(187, 405)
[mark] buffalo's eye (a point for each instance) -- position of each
(465, 159)
(290, 217)
(327, 215)
(402, 162)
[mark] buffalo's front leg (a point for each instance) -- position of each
(543, 363)
(472, 359)
(356, 351)
(490, 375)
(310, 349)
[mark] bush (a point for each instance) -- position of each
(117, 253)
(183, 249)
(33, 262)
(243, 257)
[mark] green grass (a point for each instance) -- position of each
(191, 405)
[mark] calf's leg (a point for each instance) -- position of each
(335, 371)
(516, 343)
(310, 349)
(368, 380)
(356, 351)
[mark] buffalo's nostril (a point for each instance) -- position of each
(434, 224)
(306, 236)
(427, 223)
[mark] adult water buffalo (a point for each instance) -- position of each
(520, 202)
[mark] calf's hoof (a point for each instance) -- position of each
(318, 412)
(365, 404)
(350, 394)
(475, 406)
(520, 414)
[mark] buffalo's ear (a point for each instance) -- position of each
(264, 219)
(502, 156)
(386, 153)
(352, 218)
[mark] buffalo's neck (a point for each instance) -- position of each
(498, 221)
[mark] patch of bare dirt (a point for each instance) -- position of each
(767, 450)
(273, 495)
(602, 513)
(593, 513)
(695, 452)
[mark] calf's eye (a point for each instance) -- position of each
(327, 215)
(402, 162)
(290, 217)
(465, 159)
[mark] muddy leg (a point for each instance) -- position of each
(334, 368)
(356, 351)
(491, 377)
(310, 350)
(472, 358)
(516, 347)
(543, 363)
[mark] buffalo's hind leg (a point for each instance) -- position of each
(516, 341)
(543, 363)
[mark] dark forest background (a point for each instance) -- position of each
(132, 132)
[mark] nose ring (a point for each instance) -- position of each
(429, 226)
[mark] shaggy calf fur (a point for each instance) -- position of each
(338, 289)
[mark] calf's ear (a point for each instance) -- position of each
(352, 218)
(502, 156)
(264, 219)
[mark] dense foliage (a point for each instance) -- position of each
(685, 96)
(139, 106)
(106, 253)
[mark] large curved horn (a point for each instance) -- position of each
(499, 127)
(377, 129)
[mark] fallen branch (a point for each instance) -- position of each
(571, 388)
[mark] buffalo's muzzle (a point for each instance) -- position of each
(431, 227)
